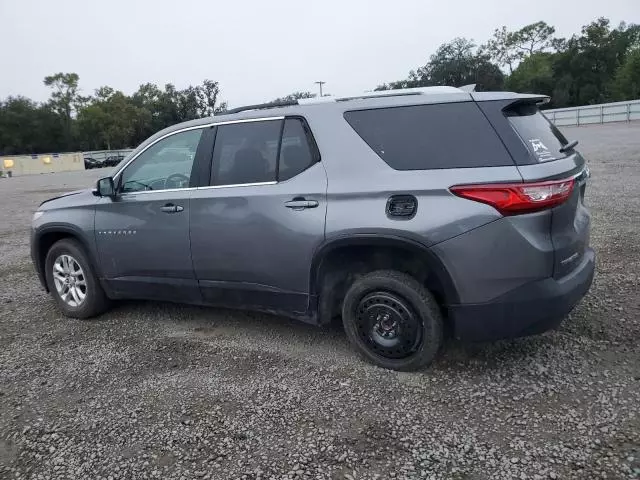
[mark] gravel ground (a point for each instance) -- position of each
(165, 391)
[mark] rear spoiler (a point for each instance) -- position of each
(515, 97)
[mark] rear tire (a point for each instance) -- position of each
(392, 320)
(73, 282)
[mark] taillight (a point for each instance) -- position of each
(517, 198)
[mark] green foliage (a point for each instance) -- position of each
(65, 100)
(597, 65)
(294, 96)
(533, 75)
(626, 83)
(590, 67)
(110, 120)
(533, 38)
(456, 63)
(584, 71)
(107, 120)
(507, 48)
(26, 127)
(500, 48)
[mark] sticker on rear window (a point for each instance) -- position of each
(540, 150)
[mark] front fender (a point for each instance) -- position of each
(43, 236)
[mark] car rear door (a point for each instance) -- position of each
(255, 228)
(541, 153)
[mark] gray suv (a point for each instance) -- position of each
(411, 214)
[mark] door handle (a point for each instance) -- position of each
(171, 208)
(301, 204)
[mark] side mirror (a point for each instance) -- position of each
(105, 187)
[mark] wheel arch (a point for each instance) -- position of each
(332, 254)
(45, 238)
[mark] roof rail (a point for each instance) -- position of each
(382, 93)
(260, 106)
(326, 99)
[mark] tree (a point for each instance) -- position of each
(533, 75)
(65, 99)
(509, 48)
(500, 48)
(294, 96)
(584, 71)
(626, 84)
(208, 99)
(110, 120)
(26, 127)
(534, 38)
(455, 64)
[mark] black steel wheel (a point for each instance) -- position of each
(388, 324)
(392, 320)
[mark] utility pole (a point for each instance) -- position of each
(320, 85)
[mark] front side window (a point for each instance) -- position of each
(166, 164)
(246, 153)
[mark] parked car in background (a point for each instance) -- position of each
(113, 160)
(90, 163)
(409, 213)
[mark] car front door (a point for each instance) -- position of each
(142, 233)
(255, 228)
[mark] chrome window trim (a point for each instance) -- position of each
(233, 185)
(186, 189)
(186, 129)
(206, 187)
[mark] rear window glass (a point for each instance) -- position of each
(423, 137)
(542, 138)
(246, 153)
(295, 153)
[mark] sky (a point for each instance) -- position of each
(256, 49)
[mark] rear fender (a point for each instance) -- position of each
(434, 265)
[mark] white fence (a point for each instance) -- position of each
(590, 114)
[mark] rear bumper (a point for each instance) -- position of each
(530, 309)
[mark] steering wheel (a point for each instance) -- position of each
(176, 180)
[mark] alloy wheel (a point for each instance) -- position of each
(69, 280)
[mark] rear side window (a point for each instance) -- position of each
(246, 153)
(255, 152)
(542, 138)
(424, 137)
(296, 154)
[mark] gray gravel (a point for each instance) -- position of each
(165, 391)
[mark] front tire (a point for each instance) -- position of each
(392, 320)
(73, 282)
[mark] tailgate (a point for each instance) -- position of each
(570, 222)
(540, 152)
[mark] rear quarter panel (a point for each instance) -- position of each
(484, 253)
(360, 183)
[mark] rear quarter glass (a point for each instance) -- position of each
(434, 136)
(541, 137)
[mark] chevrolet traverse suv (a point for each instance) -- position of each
(408, 213)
